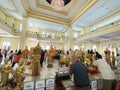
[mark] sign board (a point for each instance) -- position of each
(94, 85)
(40, 84)
(28, 86)
(40, 89)
(50, 88)
(50, 82)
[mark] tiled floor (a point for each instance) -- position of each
(47, 72)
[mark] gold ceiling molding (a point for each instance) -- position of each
(46, 17)
(39, 5)
(25, 5)
(87, 5)
(31, 13)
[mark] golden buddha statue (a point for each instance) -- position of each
(31, 57)
(19, 74)
(107, 55)
(5, 70)
(81, 54)
(113, 59)
(65, 59)
(36, 60)
(87, 59)
(51, 53)
(31, 54)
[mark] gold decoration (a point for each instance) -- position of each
(19, 74)
(6, 69)
(36, 60)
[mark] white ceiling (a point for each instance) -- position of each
(46, 25)
(102, 9)
(13, 8)
(99, 11)
(107, 37)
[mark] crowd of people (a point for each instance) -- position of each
(79, 63)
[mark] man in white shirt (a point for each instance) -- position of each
(109, 77)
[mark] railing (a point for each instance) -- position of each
(103, 28)
(31, 32)
(49, 38)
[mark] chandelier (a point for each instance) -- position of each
(58, 4)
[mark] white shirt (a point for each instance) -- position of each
(105, 69)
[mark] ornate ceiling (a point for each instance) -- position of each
(78, 14)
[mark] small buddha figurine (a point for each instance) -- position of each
(5, 70)
(107, 55)
(19, 74)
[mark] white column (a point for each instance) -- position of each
(68, 42)
(23, 33)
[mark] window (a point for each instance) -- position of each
(53, 35)
(42, 47)
(65, 34)
(94, 47)
(6, 45)
(47, 47)
(43, 34)
(48, 35)
(20, 27)
(75, 35)
(75, 48)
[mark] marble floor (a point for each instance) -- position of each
(45, 72)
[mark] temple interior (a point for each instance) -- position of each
(54, 44)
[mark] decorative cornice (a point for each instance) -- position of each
(59, 12)
(101, 31)
(35, 14)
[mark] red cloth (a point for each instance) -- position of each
(94, 72)
(16, 58)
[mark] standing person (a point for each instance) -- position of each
(109, 78)
(1, 56)
(15, 52)
(11, 56)
(46, 55)
(16, 58)
(42, 58)
(81, 73)
(5, 53)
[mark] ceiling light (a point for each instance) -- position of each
(58, 4)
